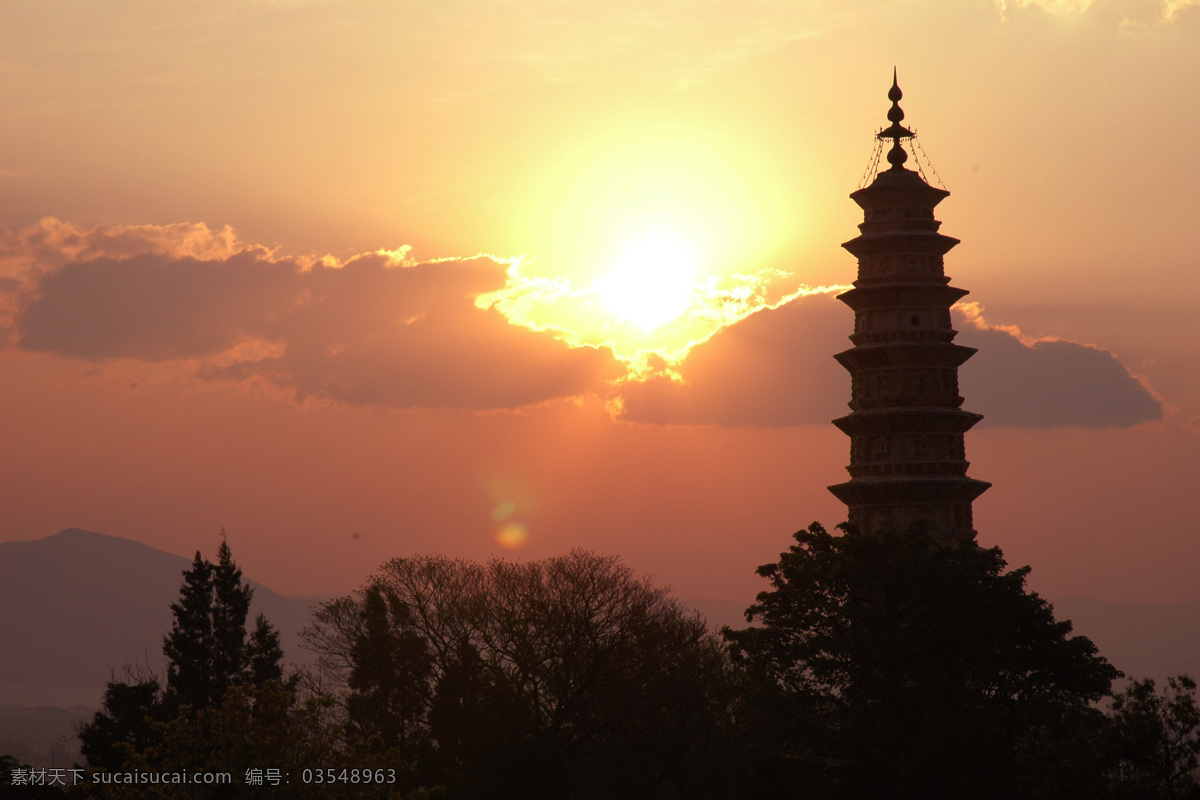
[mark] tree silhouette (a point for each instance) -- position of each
(207, 647)
(389, 676)
(887, 664)
(190, 644)
(255, 728)
(125, 725)
(561, 678)
(230, 607)
(264, 655)
(1157, 741)
(208, 656)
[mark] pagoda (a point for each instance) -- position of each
(907, 458)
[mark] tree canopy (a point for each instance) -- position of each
(566, 677)
(878, 665)
(888, 664)
(209, 658)
(208, 650)
(1156, 741)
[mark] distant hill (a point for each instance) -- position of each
(78, 605)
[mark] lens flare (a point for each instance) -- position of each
(512, 536)
(504, 510)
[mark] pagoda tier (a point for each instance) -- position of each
(907, 455)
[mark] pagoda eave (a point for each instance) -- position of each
(900, 177)
(904, 354)
(866, 295)
(902, 187)
(907, 241)
(920, 491)
(918, 421)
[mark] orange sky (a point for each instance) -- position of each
(353, 279)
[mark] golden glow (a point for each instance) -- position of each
(647, 236)
(512, 535)
(689, 177)
(652, 281)
(651, 307)
(650, 333)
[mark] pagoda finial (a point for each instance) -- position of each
(896, 156)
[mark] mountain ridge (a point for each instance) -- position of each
(79, 607)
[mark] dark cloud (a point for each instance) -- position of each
(370, 331)
(1050, 383)
(775, 368)
(155, 307)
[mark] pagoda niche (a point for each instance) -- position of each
(906, 425)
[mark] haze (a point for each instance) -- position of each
(352, 280)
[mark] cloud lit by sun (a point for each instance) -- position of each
(652, 237)
(653, 305)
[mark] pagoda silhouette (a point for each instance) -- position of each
(907, 457)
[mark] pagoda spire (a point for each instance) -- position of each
(896, 156)
(907, 455)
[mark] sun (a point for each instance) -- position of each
(651, 282)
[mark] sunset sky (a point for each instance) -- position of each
(361, 279)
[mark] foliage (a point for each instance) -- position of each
(264, 655)
(207, 647)
(887, 664)
(125, 725)
(1157, 740)
(563, 678)
(389, 675)
(883, 664)
(255, 728)
(190, 644)
(211, 663)
(229, 660)
(25, 782)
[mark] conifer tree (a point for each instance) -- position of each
(207, 647)
(189, 645)
(208, 655)
(230, 608)
(264, 654)
(125, 725)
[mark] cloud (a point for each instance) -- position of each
(1129, 13)
(1060, 8)
(382, 329)
(1172, 8)
(775, 368)
(374, 330)
(1047, 383)
(29, 254)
